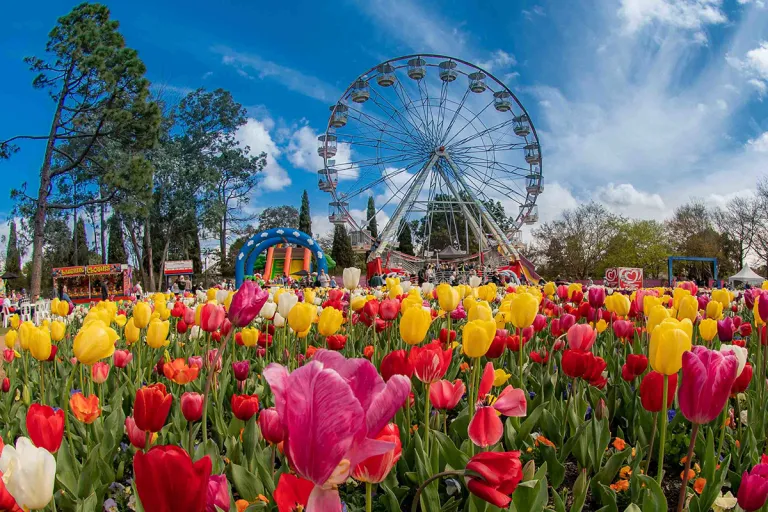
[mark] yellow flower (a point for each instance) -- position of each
(16, 321)
(677, 296)
(714, 310)
(708, 329)
(211, 294)
(447, 297)
(131, 332)
(601, 325)
(10, 338)
(464, 290)
(309, 296)
(63, 308)
(250, 336)
(487, 292)
(414, 325)
(549, 289)
(649, 302)
(500, 377)
(157, 333)
(26, 331)
(57, 330)
(756, 313)
(657, 315)
(55, 306)
(412, 300)
(523, 308)
(94, 342)
(669, 341)
(477, 337)
(301, 316)
(40, 344)
(121, 320)
(141, 314)
(228, 300)
(162, 311)
(480, 311)
(689, 308)
(722, 296)
(358, 302)
(330, 321)
(619, 304)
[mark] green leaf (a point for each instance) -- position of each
(452, 455)
(557, 501)
(430, 500)
(580, 491)
(654, 500)
(389, 498)
(632, 508)
(530, 422)
(607, 498)
(90, 475)
(67, 469)
(612, 466)
(247, 484)
(556, 468)
(90, 504)
(250, 439)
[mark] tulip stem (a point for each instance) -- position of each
(684, 486)
(428, 481)
(650, 445)
(520, 350)
(663, 435)
(368, 497)
(427, 410)
(42, 385)
(148, 439)
(723, 418)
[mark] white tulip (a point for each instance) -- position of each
(351, 278)
(285, 303)
(475, 281)
(378, 294)
(406, 286)
(739, 352)
(195, 333)
(202, 296)
(28, 473)
(279, 320)
(427, 288)
(268, 310)
(221, 296)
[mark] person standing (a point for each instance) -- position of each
(323, 279)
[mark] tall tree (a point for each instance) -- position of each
(305, 219)
(12, 253)
(341, 251)
(405, 239)
(692, 233)
(740, 222)
(279, 217)
(116, 248)
(373, 227)
(638, 244)
(80, 251)
(100, 96)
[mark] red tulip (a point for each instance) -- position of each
(745, 330)
(581, 337)
(375, 469)
(54, 350)
(396, 362)
(211, 317)
(623, 329)
(151, 407)
(389, 309)
(498, 476)
(539, 323)
(446, 337)
(167, 481)
(566, 321)
(539, 357)
(636, 364)
(121, 358)
(226, 327)
(45, 427)
(742, 381)
(498, 344)
(246, 303)
(7, 501)
(368, 352)
(593, 373)
(652, 390)
(271, 427)
(192, 406)
(292, 492)
(178, 309)
(371, 309)
(218, 492)
(336, 341)
(725, 329)
(244, 406)
(136, 436)
(430, 362)
(574, 363)
(753, 490)
(241, 369)
(485, 427)
(586, 311)
(8, 355)
(554, 328)
(181, 326)
(486, 381)
(446, 395)
(265, 340)
(562, 292)
(511, 402)
(6, 385)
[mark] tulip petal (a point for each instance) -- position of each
(361, 375)
(511, 402)
(385, 404)
(277, 377)
(324, 500)
(486, 383)
(487, 493)
(486, 428)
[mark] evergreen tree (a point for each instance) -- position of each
(12, 254)
(371, 217)
(405, 239)
(342, 248)
(305, 220)
(116, 246)
(80, 251)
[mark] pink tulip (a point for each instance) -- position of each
(706, 373)
(446, 395)
(753, 491)
(581, 337)
(596, 296)
(189, 316)
(121, 358)
(100, 372)
(512, 402)
(247, 303)
(332, 408)
(270, 426)
(195, 361)
(486, 428)
(539, 323)
(566, 321)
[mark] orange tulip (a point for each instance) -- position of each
(85, 409)
(180, 372)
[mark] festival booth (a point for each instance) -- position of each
(623, 278)
(746, 276)
(81, 281)
(175, 269)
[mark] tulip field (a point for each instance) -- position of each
(399, 398)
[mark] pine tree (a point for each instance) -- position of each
(12, 255)
(373, 227)
(80, 251)
(342, 248)
(405, 239)
(305, 220)
(116, 246)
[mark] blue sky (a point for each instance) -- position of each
(639, 104)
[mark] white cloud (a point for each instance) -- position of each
(759, 85)
(685, 14)
(256, 135)
(499, 60)
(302, 153)
(757, 59)
(759, 144)
(625, 194)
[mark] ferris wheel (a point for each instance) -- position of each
(445, 149)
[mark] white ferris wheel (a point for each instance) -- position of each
(446, 150)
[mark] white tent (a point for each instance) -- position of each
(746, 275)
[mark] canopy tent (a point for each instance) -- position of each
(746, 275)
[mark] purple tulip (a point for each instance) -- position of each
(246, 303)
(706, 373)
(753, 491)
(241, 369)
(725, 329)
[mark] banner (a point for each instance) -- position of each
(106, 268)
(68, 271)
(178, 267)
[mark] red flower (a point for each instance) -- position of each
(271, 428)
(539, 323)
(652, 389)
(151, 407)
(292, 492)
(498, 345)
(336, 341)
(396, 362)
(241, 369)
(121, 358)
(445, 337)
(371, 310)
(634, 367)
(430, 362)
(136, 436)
(498, 474)
(540, 357)
(745, 330)
(375, 469)
(181, 326)
(485, 428)
(742, 381)
(245, 406)
(368, 352)
(211, 317)
(575, 362)
(446, 395)
(593, 373)
(178, 309)
(168, 481)
(45, 427)
(192, 406)
(389, 309)
(623, 329)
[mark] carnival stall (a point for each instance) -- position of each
(175, 269)
(84, 282)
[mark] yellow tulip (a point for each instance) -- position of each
(141, 315)
(55, 306)
(414, 325)
(656, 315)
(464, 291)
(601, 326)
(57, 330)
(621, 304)
(480, 311)
(211, 294)
(250, 336)
(301, 316)
(395, 291)
(163, 312)
(722, 296)
(329, 322)
(708, 329)
(477, 336)
(157, 333)
(309, 296)
(573, 287)
(411, 301)
(26, 331)
(668, 343)
(40, 344)
(10, 338)
(131, 332)
(650, 302)
(228, 300)
(500, 377)
(121, 320)
(447, 297)
(158, 298)
(549, 289)
(487, 292)
(677, 296)
(94, 342)
(523, 307)
(764, 286)
(16, 321)
(63, 308)
(689, 308)
(502, 318)
(714, 310)
(357, 303)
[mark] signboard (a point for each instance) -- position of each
(178, 267)
(107, 268)
(68, 271)
(623, 277)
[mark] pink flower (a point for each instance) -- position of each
(753, 490)
(189, 316)
(581, 337)
(100, 372)
(246, 303)
(486, 382)
(218, 491)
(445, 394)
(271, 428)
(121, 358)
(511, 402)
(211, 317)
(486, 428)
(596, 296)
(706, 373)
(332, 408)
(196, 361)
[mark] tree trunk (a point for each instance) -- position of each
(148, 255)
(102, 225)
(223, 244)
(139, 257)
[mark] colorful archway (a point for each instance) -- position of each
(269, 238)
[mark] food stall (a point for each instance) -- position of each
(175, 269)
(83, 282)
